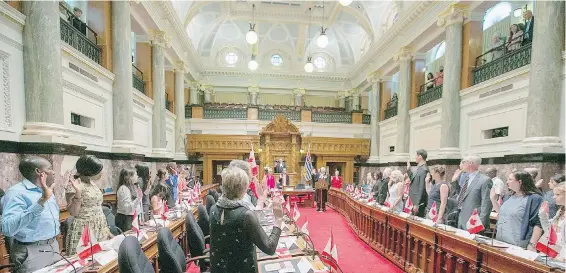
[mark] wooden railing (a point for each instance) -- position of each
(429, 95)
(508, 62)
(416, 247)
(78, 38)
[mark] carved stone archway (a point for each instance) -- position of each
(282, 139)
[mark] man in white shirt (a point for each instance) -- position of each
(498, 184)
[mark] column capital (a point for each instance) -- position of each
(209, 89)
(455, 14)
(418, 56)
(299, 91)
(180, 66)
(374, 77)
(159, 38)
(253, 89)
(403, 54)
(354, 92)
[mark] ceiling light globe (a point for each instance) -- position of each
(253, 65)
(322, 40)
(309, 67)
(345, 2)
(251, 37)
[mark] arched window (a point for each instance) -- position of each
(496, 14)
(440, 51)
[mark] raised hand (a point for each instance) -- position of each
(493, 194)
(427, 178)
(46, 190)
(456, 174)
(544, 207)
(408, 164)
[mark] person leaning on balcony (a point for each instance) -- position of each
(496, 50)
(515, 37)
(529, 26)
(429, 81)
(76, 20)
(439, 77)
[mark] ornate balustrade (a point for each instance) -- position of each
(366, 119)
(269, 114)
(416, 247)
(188, 111)
(508, 62)
(329, 117)
(137, 81)
(429, 95)
(78, 38)
(229, 113)
(390, 111)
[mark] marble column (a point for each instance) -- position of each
(42, 73)
(208, 93)
(299, 92)
(252, 93)
(374, 122)
(452, 20)
(546, 85)
(403, 104)
(194, 96)
(342, 101)
(355, 94)
(122, 95)
(180, 134)
(159, 41)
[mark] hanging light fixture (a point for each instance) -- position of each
(322, 40)
(252, 64)
(345, 2)
(251, 36)
(309, 67)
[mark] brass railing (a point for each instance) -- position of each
(508, 62)
(429, 95)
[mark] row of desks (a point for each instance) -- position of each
(416, 247)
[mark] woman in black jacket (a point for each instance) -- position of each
(235, 230)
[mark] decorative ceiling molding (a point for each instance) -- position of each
(320, 77)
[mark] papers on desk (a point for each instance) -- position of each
(157, 220)
(304, 266)
(61, 267)
(280, 267)
(523, 253)
(427, 222)
(404, 214)
(103, 258)
(465, 234)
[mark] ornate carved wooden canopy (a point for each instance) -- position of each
(280, 126)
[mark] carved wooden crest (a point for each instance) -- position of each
(280, 124)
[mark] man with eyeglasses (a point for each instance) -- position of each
(31, 217)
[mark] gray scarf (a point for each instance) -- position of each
(226, 203)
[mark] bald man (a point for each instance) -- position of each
(31, 216)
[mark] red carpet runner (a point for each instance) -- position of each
(354, 256)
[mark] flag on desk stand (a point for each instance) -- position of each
(87, 245)
(165, 210)
(288, 205)
(296, 213)
(545, 243)
(330, 253)
(433, 214)
(308, 165)
(474, 224)
(408, 206)
(136, 224)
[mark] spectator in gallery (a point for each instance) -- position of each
(515, 38)
(529, 27)
(417, 190)
(439, 79)
(337, 180)
(474, 193)
(558, 222)
(76, 20)
(518, 220)
(395, 186)
(429, 81)
(496, 49)
(549, 195)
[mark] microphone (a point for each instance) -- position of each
(50, 251)
(448, 221)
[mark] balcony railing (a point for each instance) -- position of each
(328, 117)
(429, 95)
(390, 111)
(168, 105)
(215, 113)
(366, 119)
(137, 81)
(188, 111)
(508, 62)
(78, 39)
(269, 114)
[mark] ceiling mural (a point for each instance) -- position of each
(217, 31)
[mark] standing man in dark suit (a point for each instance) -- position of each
(417, 191)
(380, 195)
(529, 27)
(474, 194)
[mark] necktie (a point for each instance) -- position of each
(463, 191)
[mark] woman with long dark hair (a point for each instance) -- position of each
(144, 182)
(161, 187)
(128, 197)
(515, 37)
(84, 203)
(518, 221)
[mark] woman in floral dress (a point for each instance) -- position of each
(84, 203)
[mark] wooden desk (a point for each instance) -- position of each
(308, 192)
(415, 247)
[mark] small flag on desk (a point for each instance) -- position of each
(408, 205)
(296, 213)
(164, 214)
(433, 214)
(474, 224)
(87, 244)
(135, 223)
(330, 253)
(546, 243)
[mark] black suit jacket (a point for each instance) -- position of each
(286, 179)
(417, 191)
(314, 179)
(528, 33)
(380, 190)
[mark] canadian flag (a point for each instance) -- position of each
(288, 205)
(87, 244)
(165, 210)
(253, 165)
(408, 205)
(135, 223)
(371, 200)
(196, 194)
(545, 243)
(474, 224)
(197, 188)
(406, 188)
(330, 253)
(387, 204)
(433, 214)
(296, 213)
(304, 228)
(500, 200)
